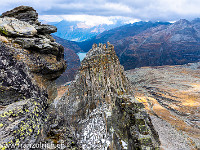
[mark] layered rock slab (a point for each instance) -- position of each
(33, 45)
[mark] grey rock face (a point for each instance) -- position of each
(42, 45)
(30, 61)
(22, 102)
(15, 27)
(47, 55)
(15, 82)
(46, 29)
(23, 13)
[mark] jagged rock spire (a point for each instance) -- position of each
(101, 107)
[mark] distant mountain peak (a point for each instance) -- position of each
(196, 20)
(182, 21)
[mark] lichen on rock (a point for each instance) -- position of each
(30, 61)
(22, 103)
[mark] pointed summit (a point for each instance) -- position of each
(100, 106)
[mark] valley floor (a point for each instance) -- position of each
(171, 95)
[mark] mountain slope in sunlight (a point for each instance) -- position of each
(171, 96)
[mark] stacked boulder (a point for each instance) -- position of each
(30, 61)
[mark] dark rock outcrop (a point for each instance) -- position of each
(99, 105)
(22, 102)
(35, 48)
(23, 13)
(30, 61)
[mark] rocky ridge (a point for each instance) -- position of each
(99, 106)
(30, 61)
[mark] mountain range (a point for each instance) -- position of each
(120, 33)
(153, 44)
(79, 31)
(147, 43)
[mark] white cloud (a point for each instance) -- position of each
(88, 20)
(50, 18)
(117, 7)
(141, 9)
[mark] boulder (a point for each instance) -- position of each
(23, 13)
(21, 26)
(46, 29)
(14, 27)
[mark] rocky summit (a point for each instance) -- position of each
(100, 107)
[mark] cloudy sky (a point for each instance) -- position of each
(104, 11)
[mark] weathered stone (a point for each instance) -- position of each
(3, 39)
(15, 27)
(43, 45)
(47, 57)
(23, 13)
(99, 105)
(22, 102)
(46, 29)
(30, 61)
